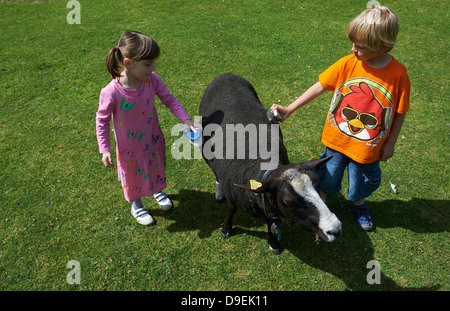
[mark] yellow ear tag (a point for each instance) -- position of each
(254, 184)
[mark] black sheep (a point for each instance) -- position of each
(247, 155)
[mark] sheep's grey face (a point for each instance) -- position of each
(300, 203)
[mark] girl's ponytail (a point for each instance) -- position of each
(134, 46)
(113, 62)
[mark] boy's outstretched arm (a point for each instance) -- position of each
(387, 150)
(312, 93)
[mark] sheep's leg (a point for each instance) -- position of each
(219, 193)
(272, 239)
(228, 222)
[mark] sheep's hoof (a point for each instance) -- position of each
(276, 251)
(226, 233)
(220, 199)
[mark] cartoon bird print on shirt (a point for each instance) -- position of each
(359, 114)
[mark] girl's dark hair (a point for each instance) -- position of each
(133, 45)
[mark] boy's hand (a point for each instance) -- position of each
(285, 111)
(386, 151)
(107, 160)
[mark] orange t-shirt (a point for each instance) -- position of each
(363, 107)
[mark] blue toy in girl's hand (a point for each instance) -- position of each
(194, 138)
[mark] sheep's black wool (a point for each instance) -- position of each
(288, 193)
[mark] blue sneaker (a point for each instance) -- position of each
(363, 217)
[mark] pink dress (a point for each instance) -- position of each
(140, 144)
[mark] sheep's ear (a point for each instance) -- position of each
(312, 164)
(256, 186)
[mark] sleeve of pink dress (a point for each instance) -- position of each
(107, 105)
(168, 99)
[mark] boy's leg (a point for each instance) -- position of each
(331, 172)
(363, 180)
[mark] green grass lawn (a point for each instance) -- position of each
(59, 203)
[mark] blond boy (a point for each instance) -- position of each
(371, 97)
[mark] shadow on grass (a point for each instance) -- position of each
(346, 259)
(199, 211)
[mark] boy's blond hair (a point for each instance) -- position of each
(375, 28)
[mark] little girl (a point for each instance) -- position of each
(130, 99)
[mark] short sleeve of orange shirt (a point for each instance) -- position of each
(364, 104)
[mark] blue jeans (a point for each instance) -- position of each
(363, 179)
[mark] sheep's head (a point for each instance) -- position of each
(296, 189)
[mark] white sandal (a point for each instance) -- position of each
(163, 200)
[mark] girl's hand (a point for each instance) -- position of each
(189, 123)
(107, 160)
